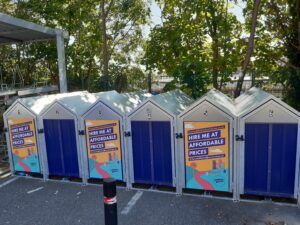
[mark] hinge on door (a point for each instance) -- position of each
(40, 131)
(179, 135)
(81, 132)
(127, 134)
(239, 137)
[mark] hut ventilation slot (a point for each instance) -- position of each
(149, 114)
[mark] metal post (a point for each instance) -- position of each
(110, 201)
(61, 61)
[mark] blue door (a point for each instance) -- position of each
(284, 145)
(256, 158)
(61, 147)
(162, 154)
(141, 152)
(152, 154)
(270, 159)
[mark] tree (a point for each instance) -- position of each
(192, 77)
(87, 62)
(205, 32)
(121, 31)
(127, 79)
(277, 52)
(250, 48)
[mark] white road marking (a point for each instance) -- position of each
(56, 192)
(8, 182)
(79, 193)
(34, 190)
(132, 202)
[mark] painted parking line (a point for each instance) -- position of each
(8, 182)
(132, 202)
(34, 190)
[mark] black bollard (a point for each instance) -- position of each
(110, 201)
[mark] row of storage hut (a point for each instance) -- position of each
(246, 146)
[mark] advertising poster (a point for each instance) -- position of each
(104, 148)
(206, 155)
(24, 145)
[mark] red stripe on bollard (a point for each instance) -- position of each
(110, 201)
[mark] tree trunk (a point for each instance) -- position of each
(105, 61)
(298, 20)
(215, 69)
(89, 74)
(225, 49)
(150, 81)
(250, 49)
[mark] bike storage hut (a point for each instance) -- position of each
(268, 146)
(21, 127)
(150, 141)
(205, 138)
(59, 128)
(103, 125)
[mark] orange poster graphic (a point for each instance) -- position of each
(104, 148)
(24, 145)
(207, 155)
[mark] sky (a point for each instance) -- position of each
(237, 9)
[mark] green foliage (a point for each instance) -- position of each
(192, 77)
(84, 48)
(200, 44)
(200, 33)
(124, 79)
(277, 52)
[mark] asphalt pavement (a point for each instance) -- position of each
(26, 201)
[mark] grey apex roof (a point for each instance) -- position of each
(14, 30)
(79, 102)
(220, 98)
(173, 101)
(76, 101)
(122, 103)
(215, 97)
(251, 98)
(137, 96)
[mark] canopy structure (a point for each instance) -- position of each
(13, 31)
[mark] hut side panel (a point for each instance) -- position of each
(152, 154)
(22, 139)
(57, 111)
(271, 113)
(269, 154)
(205, 112)
(207, 151)
(102, 112)
(150, 112)
(103, 142)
